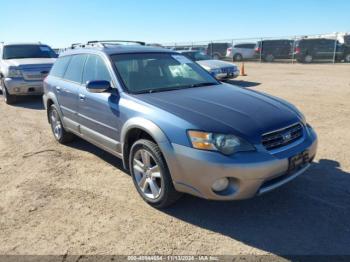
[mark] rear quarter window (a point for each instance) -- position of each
(60, 66)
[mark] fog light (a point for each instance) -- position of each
(220, 184)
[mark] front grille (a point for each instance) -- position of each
(228, 70)
(282, 137)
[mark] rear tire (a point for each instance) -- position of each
(151, 175)
(269, 58)
(308, 59)
(60, 134)
(238, 57)
(216, 57)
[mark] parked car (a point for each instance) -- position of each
(242, 51)
(154, 45)
(217, 50)
(308, 50)
(269, 50)
(176, 128)
(221, 70)
(23, 68)
(347, 48)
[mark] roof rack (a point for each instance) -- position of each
(113, 42)
(75, 45)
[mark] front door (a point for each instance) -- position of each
(99, 112)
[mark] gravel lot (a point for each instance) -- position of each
(76, 199)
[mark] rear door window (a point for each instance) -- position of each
(75, 68)
(60, 66)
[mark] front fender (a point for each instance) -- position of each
(153, 130)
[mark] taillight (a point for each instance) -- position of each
(297, 50)
(257, 49)
(229, 49)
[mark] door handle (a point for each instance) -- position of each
(82, 97)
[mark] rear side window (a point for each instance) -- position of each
(75, 68)
(95, 69)
(60, 66)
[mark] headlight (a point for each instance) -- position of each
(226, 144)
(14, 72)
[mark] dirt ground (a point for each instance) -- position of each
(76, 199)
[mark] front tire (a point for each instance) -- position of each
(8, 98)
(60, 134)
(150, 174)
(347, 58)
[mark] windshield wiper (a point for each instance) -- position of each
(164, 89)
(204, 84)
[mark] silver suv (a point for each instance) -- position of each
(23, 68)
(242, 51)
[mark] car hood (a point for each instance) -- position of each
(26, 62)
(226, 109)
(214, 64)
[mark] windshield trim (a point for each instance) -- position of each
(127, 90)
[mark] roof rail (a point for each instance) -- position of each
(75, 45)
(106, 42)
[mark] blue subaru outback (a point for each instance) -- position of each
(176, 128)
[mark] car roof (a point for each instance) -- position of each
(23, 43)
(317, 39)
(245, 43)
(188, 51)
(117, 49)
(277, 40)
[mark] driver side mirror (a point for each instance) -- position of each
(98, 86)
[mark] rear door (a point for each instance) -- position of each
(67, 90)
(248, 50)
(99, 116)
(286, 48)
(326, 49)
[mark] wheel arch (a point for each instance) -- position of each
(138, 128)
(237, 54)
(50, 99)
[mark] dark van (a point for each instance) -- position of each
(269, 50)
(309, 50)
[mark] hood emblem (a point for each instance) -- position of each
(287, 136)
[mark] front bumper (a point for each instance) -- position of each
(225, 76)
(21, 87)
(250, 173)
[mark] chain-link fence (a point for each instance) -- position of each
(324, 48)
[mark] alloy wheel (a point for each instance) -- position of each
(56, 124)
(308, 59)
(147, 174)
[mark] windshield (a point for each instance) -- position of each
(197, 56)
(156, 72)
(28, 51)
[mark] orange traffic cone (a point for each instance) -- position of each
(242, 70)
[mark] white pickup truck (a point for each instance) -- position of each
(23, 68)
